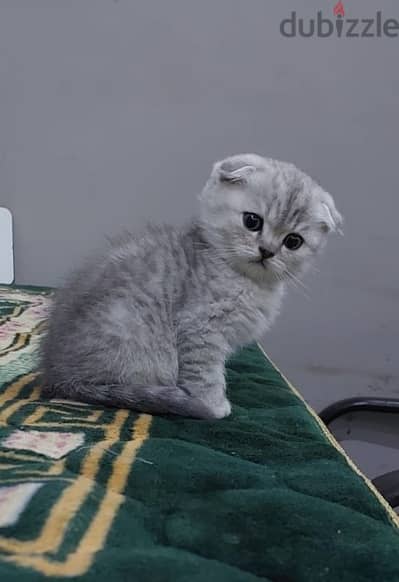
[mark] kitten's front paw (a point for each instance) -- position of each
(220, 410)
(226, 409)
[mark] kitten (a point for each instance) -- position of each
(149, 323)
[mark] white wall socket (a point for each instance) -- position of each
(6, 247)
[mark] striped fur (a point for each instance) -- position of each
(148, 323)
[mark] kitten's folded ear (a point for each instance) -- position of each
(332, 219)
(234, 170)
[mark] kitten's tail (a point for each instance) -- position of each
(148, 399)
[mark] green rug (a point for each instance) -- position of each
(108, 495)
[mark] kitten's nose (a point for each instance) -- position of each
(265, 254)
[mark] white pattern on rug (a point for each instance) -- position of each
(50, 444)
(13, 500)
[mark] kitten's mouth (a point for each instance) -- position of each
(260, 262)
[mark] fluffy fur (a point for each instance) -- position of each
(149, 323)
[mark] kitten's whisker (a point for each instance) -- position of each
(294, 280)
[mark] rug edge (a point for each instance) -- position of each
(394, 518)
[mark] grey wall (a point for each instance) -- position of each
(111, 112)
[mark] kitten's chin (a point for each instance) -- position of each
(259, 272)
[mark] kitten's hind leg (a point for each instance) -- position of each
(200, 391)
(148, 399)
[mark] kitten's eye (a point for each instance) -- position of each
(253, 221)
(293, 241)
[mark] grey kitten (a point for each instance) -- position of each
(149, 323)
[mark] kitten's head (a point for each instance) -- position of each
(265, 217)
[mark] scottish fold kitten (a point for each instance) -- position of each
(149, 323)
